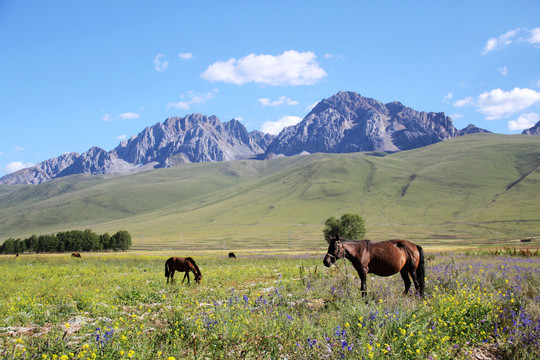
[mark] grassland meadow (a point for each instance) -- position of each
(266, 306)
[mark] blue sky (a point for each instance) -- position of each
(76, 74)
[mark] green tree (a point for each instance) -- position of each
(121, 240)
(349, 226)
(105, 242)
(90, 241)
(8, 247)
(32, 243)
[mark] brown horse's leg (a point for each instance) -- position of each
(172, 275)
(405, 276)
(362, 274)
(415, 281)
(186, 275)
(363, 281)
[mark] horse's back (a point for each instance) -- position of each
(388, 257)
(178, 263)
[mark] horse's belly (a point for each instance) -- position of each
(389, 271)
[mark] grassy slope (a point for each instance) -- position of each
(488, 180)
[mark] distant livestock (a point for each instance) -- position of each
(77, 255)
(232, 256)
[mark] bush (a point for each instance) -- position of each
(349, 226)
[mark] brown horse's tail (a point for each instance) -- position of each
(421, 270)
(196, 270)
(167, 271)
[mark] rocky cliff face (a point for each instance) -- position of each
(345, 122)
(535, 130)
(349, 122)
(41, 172)
(193, 138)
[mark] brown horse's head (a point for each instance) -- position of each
(335, 252)
(195, 269)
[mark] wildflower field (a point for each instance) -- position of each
(118, 306)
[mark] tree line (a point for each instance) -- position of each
(73, 240)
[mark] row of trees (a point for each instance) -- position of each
(74, 240)
(349, 226)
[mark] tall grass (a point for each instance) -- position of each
(265, 307)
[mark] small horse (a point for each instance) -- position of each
(77, 255)
(232, 256)
(184, 265)
(383, 258)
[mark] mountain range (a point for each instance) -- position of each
(344, 123)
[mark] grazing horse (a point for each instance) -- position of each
(383, 258)
(76, 255)
(184, 265)
(232, 256)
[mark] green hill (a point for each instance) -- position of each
(482, 187)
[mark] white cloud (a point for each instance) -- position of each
(160, 63)
(193, 99)
(275, 127)
(464, 102)
(456, 116)
(497, 103)
(531, 37)
(282, 100)
(128, 116)
(332, 56)
(503, 70)
(185, 56)
(534, 36)
(448, 97)
(123, 116)
(290, 68)
(16, 166)
(19, 149)
(525, 121)
(121, 137)
(500, 42)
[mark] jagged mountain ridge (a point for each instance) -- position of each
(535, 130)
(348, 122)
(345, 122)
(176, 141)
(193, 138)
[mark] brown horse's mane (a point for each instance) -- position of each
(190, 259)
(367, 244)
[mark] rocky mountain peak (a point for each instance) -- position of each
(535, 130)
(344, 122)
(349, 122)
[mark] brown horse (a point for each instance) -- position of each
(184, 265)
(383, 258)
(76, 255)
